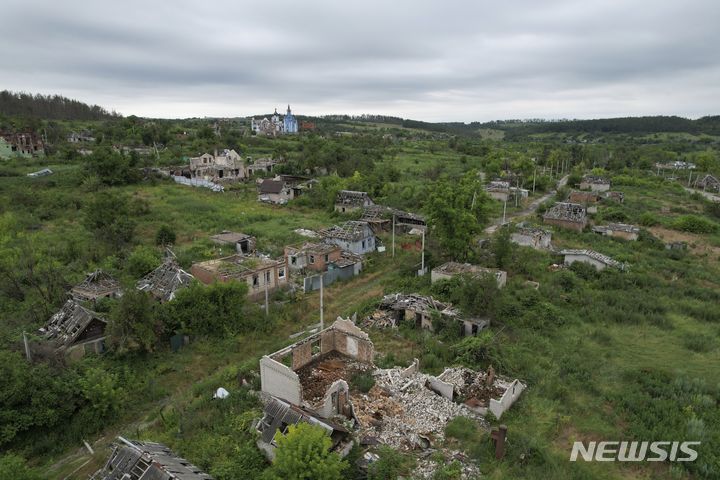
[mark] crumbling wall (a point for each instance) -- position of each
(301, 355)
(498, 407)
(442, 388)
(280, 381)
(335, 401)
(346, 338)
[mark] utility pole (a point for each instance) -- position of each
(27, 347)
(322, 320)
(517, 190)
(504, 208)
(267, 294)
(689, 178)
(534, 171)
(422, 255)
(393, 237)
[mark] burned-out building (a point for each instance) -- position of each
(708, 182)
(313, 373)
(572, 216)
(136, 460)
(503, 191)
(23, 144)
(261, 166)
(353, 236)
(97, 285)
(242, 242)
(528, 236)
(448, 270)
(380, 218)
(258, 272)
(595, 183)
(615, 196)
(618, 230)
(75, 330)
(590, 257)
(312, 256)
(587, 199)
(164, 282)
(350, 201)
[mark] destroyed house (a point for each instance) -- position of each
(96, 285)
(420, 311)
(615, 196)
(274, 191)
(618, 230)
(76, 330)
(566, 215)
(591, 257)
(226, 166)
(353, 236)
(527, 236)
(312, 256)
(136, 460)
(259, 273)
(448, 270)
(243, 243)
(583, 197)
(381, 218)
(278, 415)
(313, 373)
(261, 165)
(163, 282)
(350, 200)
(24, 144)
(595, 183)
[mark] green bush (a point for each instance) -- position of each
(363, 381)
(694, 224)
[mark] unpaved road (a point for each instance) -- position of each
(530, 208)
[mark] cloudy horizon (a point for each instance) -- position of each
(434, 61)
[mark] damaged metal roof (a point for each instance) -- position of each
(69, 323)
(165, 280)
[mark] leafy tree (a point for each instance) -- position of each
(107, 215)
(165, 236)
(134, 324)
(141, 261)
(457, 212)
(112, 168)
(102, 390)
(303, 454)
(501, 247)
(13, 467)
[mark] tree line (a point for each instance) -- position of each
(50, 107)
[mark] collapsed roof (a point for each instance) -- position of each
(416, 303)
(165, 280)
(66, 326)
(97, 284)
(610, 262)
(352, 230)
(569, 212)
(353, 198)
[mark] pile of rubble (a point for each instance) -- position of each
(426, 467)
(318, 375)
(378, 319)
(402, 412)
(474, 388)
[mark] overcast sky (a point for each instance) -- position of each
(443, 60)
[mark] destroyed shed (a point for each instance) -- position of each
(97, 285)
(75, 330)
(163, 282)
(313, 373)
(618, 230)
(259, 273)
(136, 460)
(448, 270)
(278, 415)
(350, 201)
(353, 236)
(566, 215)
(533, 237)
(243, 243)
(591, 257)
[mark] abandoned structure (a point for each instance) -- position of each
(618, 230)
(353, 236)
(295, 373)
(615, 196)
(312, 256)
(533, 237)
(595, 183)
(502, 191)
(75, 330)
(260, 273)
(588, 199)
(96, 285)
(136, 460)
(226, 166)
(21, 144)
(567, 215)
(163, 282)
(243, 243)
(80, 137)
(420, 311)
(448, 270)
(260, 166)
(350, 201)
(591, 257)
(278, 415)
(708, 182)
(380, 218)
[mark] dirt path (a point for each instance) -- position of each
(529, 210)
(710, 196)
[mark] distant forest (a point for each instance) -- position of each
(50, 107)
